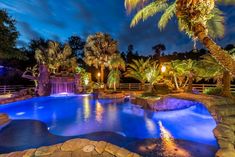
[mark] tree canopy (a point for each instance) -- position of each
(8, 37)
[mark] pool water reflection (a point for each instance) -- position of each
(77, 115)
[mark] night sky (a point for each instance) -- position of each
(59, 19)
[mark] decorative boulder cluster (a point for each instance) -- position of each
(76, 148)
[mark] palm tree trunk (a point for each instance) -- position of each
(114, 87)
(216, 51)
(190, 84)
(226, 84)
(176, 83)
(102, 73)
(186, 82)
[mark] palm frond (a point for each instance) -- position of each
(215, 25)
(166, 16)
(227, 2)
(132, 4)
(148, 11)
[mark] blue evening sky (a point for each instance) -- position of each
(59, 19)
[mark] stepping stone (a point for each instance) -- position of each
(74, 144)
(100, 147)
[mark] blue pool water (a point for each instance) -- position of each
(77, 115)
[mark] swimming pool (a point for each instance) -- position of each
(78, 115)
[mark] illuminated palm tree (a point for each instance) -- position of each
(153, 75)
(193, 18)
(55, 58)
(115, 64)
(99, 50)
(137, 70)
(183, 72)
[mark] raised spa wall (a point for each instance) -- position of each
(222, 110)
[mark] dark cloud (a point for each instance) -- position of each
(44, 12)
(28, 31)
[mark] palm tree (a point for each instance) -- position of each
(99, 49)
(137, 70)
(55, 58)
(176, 70)
(115, 64)
(193, 18)
(153, 75)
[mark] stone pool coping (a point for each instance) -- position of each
(222, 110)
(76, 148)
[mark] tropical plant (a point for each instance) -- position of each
(32, 74)
(193, 18)
(222, 76)
(137, 70)
(56, 58)
(115, 64)
(176, 69)
(213, 91)
(84, 76)
(153, 75)
(184, 72)
(99, 50)
(210, 62)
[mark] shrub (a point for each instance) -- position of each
(213, 91)
(149, 94)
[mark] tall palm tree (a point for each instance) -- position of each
(99, 49)
(193, 17)
(137, 70)
(115, 64)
